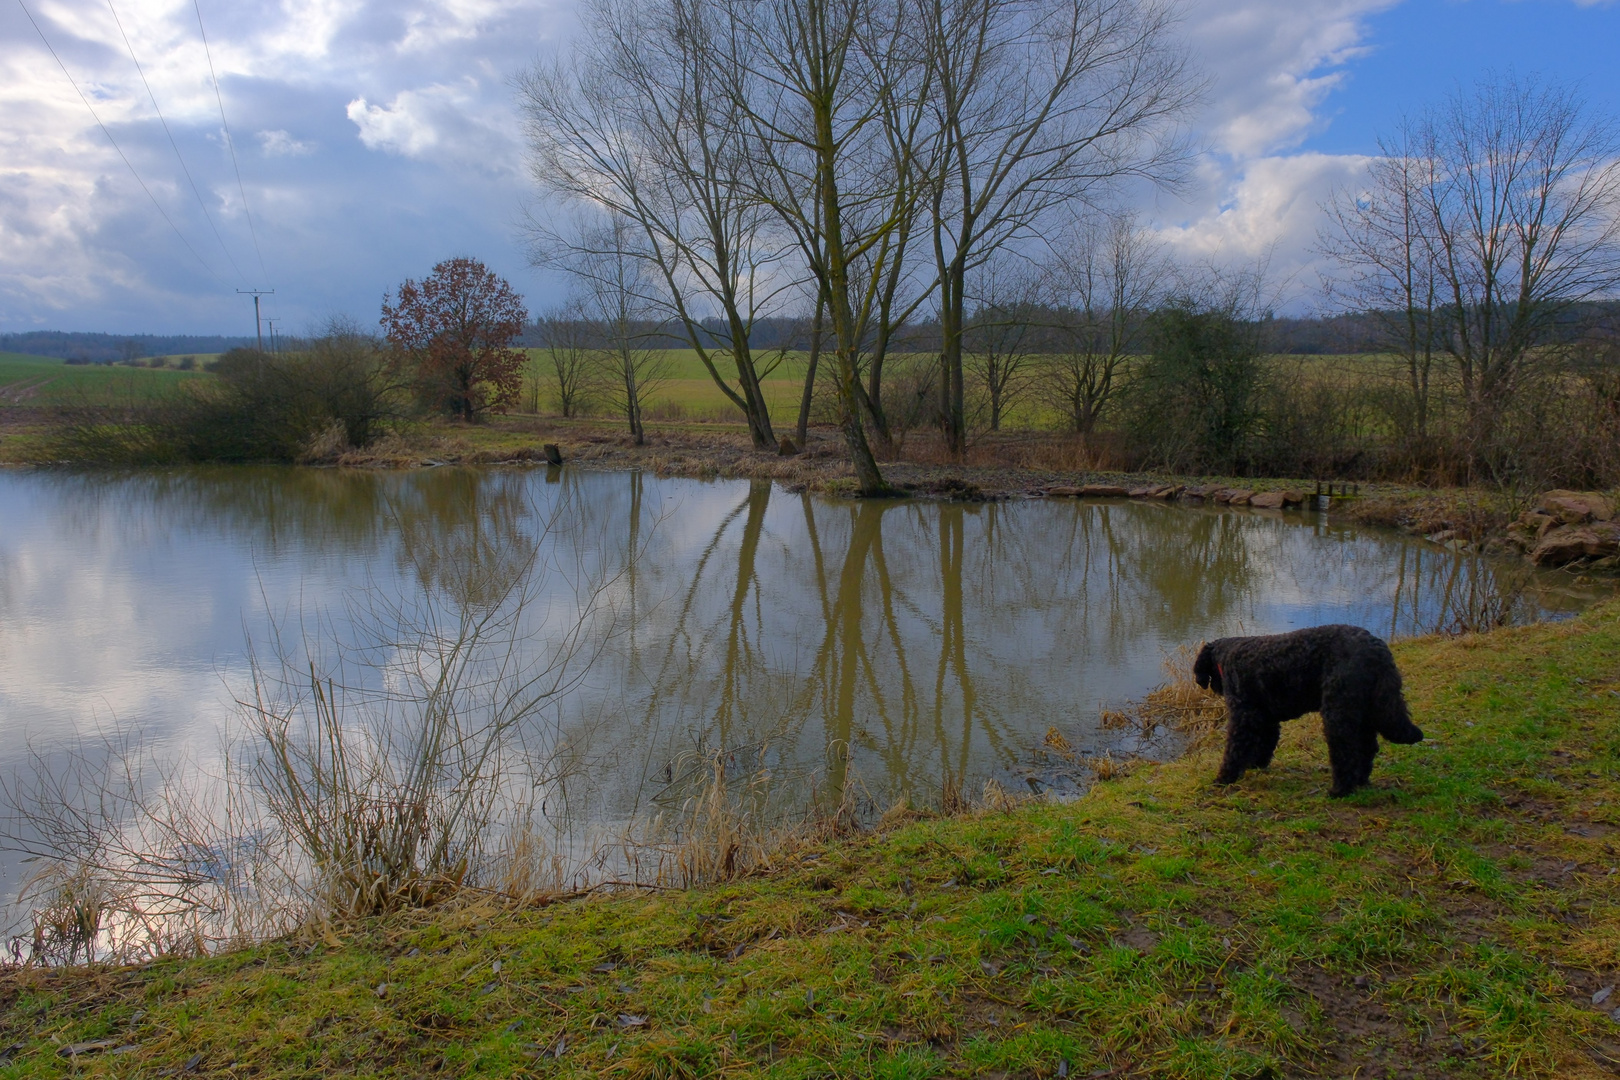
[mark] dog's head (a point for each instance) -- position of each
(1207, 671)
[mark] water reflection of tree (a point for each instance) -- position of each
(898, 643)
(438, 515)
(275, 508)
(468, 536)
(854, 689)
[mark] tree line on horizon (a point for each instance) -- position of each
(103, 348)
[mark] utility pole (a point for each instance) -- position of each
(258, 327)
(271, 323)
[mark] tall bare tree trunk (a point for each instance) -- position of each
(810, 370)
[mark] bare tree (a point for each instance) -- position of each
(1003, 332)
(1375, 232)
(570, 359)
(619, 306)
(1103, 289)
(1517, 214)
(641, 122)
(818, 326)
(831, 93)
(1037, 105)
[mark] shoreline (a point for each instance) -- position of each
(1000, 466)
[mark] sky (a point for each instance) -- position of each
(373, 138)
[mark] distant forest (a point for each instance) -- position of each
(1299, 336)
(111, 348)
(1309, 335)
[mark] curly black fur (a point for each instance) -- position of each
(1343, 672)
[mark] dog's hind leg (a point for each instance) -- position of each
(1250, 739)
(1352, 745)
(1269, 733)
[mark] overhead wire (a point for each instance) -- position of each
(203, 206)
(129, 164)
(230, 143)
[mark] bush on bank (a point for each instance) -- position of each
(338, 393)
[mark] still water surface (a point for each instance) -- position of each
(899, 643)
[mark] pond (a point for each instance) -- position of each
(898, 645)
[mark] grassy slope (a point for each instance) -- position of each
(1453, 921)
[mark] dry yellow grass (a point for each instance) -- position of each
(1177, 704)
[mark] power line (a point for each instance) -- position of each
(230, 143)
(115, 146)
(176, 146)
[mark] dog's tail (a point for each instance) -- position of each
(1389, 711)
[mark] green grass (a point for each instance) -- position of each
(44, 381)
(691, 392)
(688, 391)
(1451, 921)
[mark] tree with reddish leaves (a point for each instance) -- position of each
(456, 328)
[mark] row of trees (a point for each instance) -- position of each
(1060, 329)
(872, 163)
(861, 159)
(1156, 366)
(1484, 224)
(716, 190)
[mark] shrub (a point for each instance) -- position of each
(237, 360)
(1196, 403)
(309, 405)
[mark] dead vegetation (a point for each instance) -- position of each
(1178, 705)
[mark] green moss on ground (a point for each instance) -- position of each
(1454, 920)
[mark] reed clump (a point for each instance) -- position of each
(68, 907)
(728, 825)
(1178, 704)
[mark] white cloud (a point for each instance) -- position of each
(1274, 205)
(81, 246)
(409, 125)
(455, 125)
(1272, 63)
(281, 144)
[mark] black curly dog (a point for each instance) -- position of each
(1343, 672)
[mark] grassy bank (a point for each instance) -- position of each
(1455, 920)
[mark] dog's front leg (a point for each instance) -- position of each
(1247, 738)
(1352, 745)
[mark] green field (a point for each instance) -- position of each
(685, 393)
(688, 392)
(43, 381)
